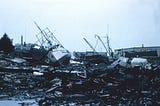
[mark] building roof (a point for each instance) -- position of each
(152, 48)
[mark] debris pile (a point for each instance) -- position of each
(45, 74)
(77, 84)
(122, 86)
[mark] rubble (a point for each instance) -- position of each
(126, 81)
(77, 84)
(44, 74)
(135, 62)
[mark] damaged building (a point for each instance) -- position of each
(151, 53)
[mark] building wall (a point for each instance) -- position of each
(121, 52)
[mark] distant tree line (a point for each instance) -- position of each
(6, 44)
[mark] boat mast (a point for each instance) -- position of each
(47, 38)
(102, 43)
(44, 35)
(109, 48)
(90, 45)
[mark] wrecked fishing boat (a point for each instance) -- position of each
(91, 57)
(48, 50)
(56, 53)
(58, 56)
(95, 57)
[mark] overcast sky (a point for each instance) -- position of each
(129, 23)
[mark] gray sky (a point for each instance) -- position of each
(131, 22)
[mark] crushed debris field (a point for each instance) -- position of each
(100, 86)
(47, 74)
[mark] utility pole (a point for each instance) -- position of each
(21, 42)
